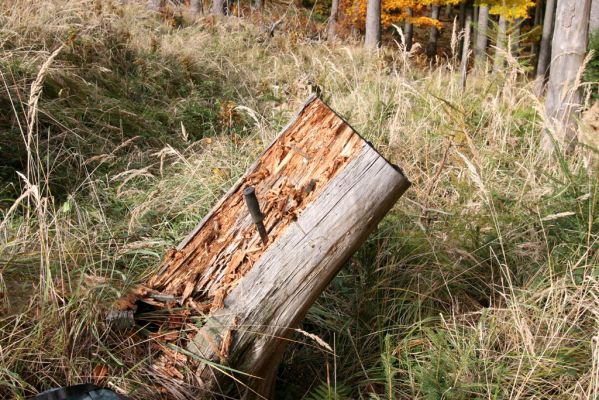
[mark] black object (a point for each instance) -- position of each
(249, 194)
(85, 391)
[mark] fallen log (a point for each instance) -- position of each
(238, 293)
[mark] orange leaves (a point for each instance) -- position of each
(394, 11)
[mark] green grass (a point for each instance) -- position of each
(481, 283)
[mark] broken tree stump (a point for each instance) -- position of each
(321, 190)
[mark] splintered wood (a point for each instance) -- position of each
(250, 293)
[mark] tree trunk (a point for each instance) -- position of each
(538, 21)
(466, 51)
(196, 7)
(515, 37)
(594, 21)
(480, 52)
(431, 48)
(500, 45)
(218, 7)
(154, 5)
(461, 24)
(475, 15)
(333, 19)
(568, 48)
(372, 38)
(409, 30)
(545, 51)
(322, 190)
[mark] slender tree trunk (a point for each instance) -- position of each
(218, 7)
(539, 12)
(431, 48)
(196, 7)
(473, 32)
(545, 51)
(332, 27)
(569, 47)
(534, 49)
(372, 38)
(466, 49)
(500, 44)
(154, 5)
(515, 36)
(409, 30)
(461, 22)
(594, 22)
(480, 51)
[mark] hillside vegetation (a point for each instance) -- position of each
(120, 128)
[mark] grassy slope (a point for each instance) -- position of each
(482, 282)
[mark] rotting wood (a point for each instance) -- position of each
(322, 189)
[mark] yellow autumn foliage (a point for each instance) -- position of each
(394, 11)
(511, 9)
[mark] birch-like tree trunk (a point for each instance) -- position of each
(568, 49)
(480, 52)
(431, 48)
(466, 50)
(333, 19)
(372, 38)
(594, 21)
(409, 30)
(545, 50)
(154, 5)
(196, 7)
(461, 22)
(500, 44)
(218, 7)
(515, 37)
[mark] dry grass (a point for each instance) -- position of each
(482, 283)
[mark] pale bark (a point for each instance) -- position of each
(466, 51)
(545, 50)
(322, 189)
(431, 48)
(461, 24)
(500, 44)
(333, 20)
(594, 21)
(372, 38)
(154, 5)
(568, 48)
(480, 52)
(409, 30)
(196, 7)
(218, 7)
(515, 37)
